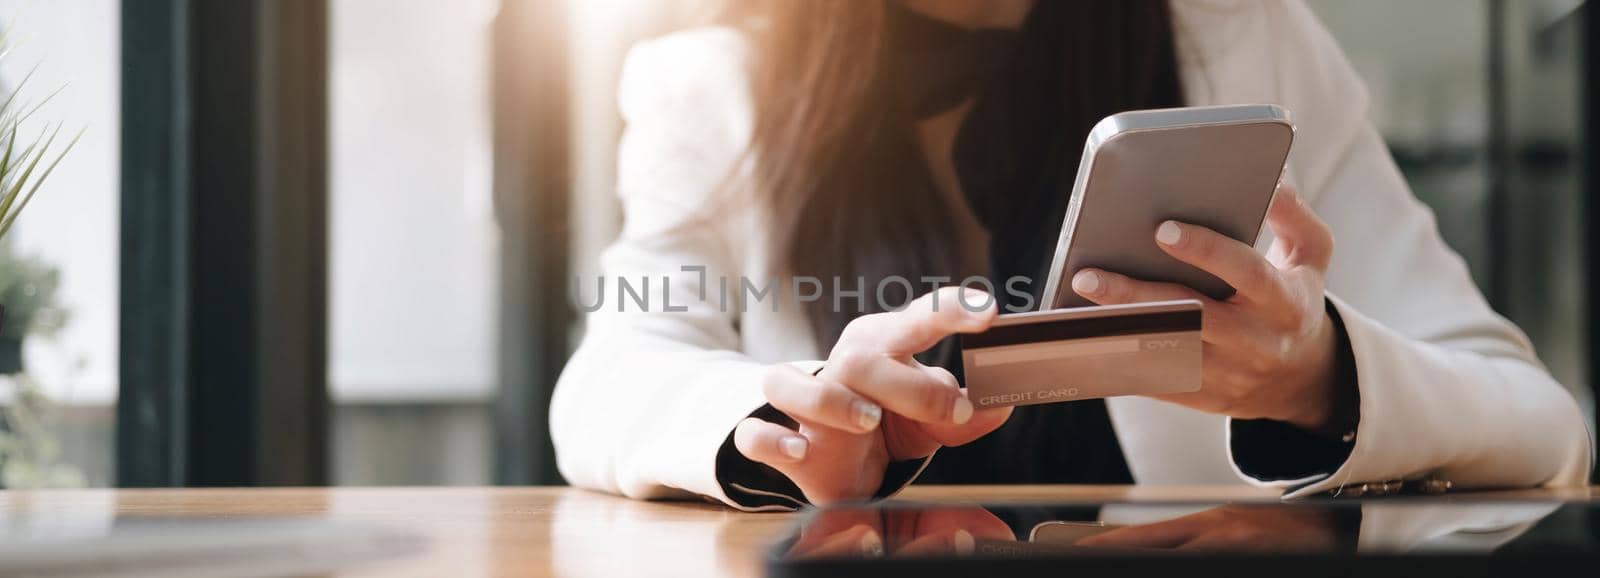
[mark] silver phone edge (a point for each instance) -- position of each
(1138, 121)
(1050, 298)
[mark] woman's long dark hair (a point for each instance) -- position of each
(837, 166)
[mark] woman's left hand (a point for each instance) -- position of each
(1268, 349)
(1234, 529)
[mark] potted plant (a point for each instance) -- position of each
(30, 451)
(22, 167)
(29, 454)
(27, 289)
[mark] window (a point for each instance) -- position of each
(1482, 110)
(414, 256)
(71, 226)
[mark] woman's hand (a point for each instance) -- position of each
(1268, 349)
(900, 532)
(1264, 529)
(872, 404)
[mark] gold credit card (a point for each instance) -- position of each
(1084, 353)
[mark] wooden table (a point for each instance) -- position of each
(555, 531)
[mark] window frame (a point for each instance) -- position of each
(223, 244)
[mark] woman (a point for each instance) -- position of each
(857, 140)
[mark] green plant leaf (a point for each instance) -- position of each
(14, 185)
(9, 220)
(5, 166)
(43, 101)
(10, 215)
(12, 98)
(11, 185)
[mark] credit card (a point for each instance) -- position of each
(1084, 353)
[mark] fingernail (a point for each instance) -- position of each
(871, 544)
(1086, 282)
(964, 542)
(961, 412)
(794, 446)
(868, 414)
(1288, 192)
(975, 304)
(1169, 234)
(979, 310)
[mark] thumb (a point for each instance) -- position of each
(927, 320)
(982, 422)
(1302, 237)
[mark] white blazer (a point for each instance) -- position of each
(1448, 388)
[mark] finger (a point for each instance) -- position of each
(826, 523)
(982, 523)
(861, 541)
(982, 423)
(924, 322)
(900, 388)
(939, 374)
(958, 434)
(1107, 288)
(771, 444)
(1220, 376)
(816, 401)
(1224, 540)
(1309, 240)
(1234, 262)
(1222, 324)
(1167, 534)
(959, 542)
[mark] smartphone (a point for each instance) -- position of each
(1213, 166)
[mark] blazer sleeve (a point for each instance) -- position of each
(1448, 388)
(653, 390)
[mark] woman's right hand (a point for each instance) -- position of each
(898, 532)
(872, 404)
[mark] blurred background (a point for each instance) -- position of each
(330, 241)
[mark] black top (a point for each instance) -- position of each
(1039, 90)
(1070, 65)
(1016, 155)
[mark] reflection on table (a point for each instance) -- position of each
(568, 532)
(1257, 528)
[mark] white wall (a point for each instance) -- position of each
(73, 222)
(1423, 61)
(414, 249)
